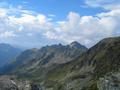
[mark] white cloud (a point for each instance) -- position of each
(3, 12)
(51, 15)
(22, 23)
(86, 29)
(42, 19)
(106, 4)
(20, 29)
(30, 26)
(7, 34)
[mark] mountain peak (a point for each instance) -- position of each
(76, 44)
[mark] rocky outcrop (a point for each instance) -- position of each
(110, 82)
(11, 83)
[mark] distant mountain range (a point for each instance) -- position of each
(7, 53)
(69, 67)
(46, 57)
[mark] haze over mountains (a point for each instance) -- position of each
(8, 53)
(66, 67)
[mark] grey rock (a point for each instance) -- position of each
(11, 83)
(110, 82)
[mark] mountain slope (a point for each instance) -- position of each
(7, 53)
(83, 73)
(48, 57)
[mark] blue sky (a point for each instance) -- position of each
(54, 7)
(35, 23)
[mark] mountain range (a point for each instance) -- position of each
(68, 67)
(45, 57)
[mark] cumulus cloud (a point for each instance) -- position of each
(30, 27)
(87, 29)
(23, 24)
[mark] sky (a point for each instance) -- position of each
(35, 23)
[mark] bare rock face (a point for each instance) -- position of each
(10, 83)
(110, 82)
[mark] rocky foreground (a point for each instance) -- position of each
(110, 82)
(11, 83)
